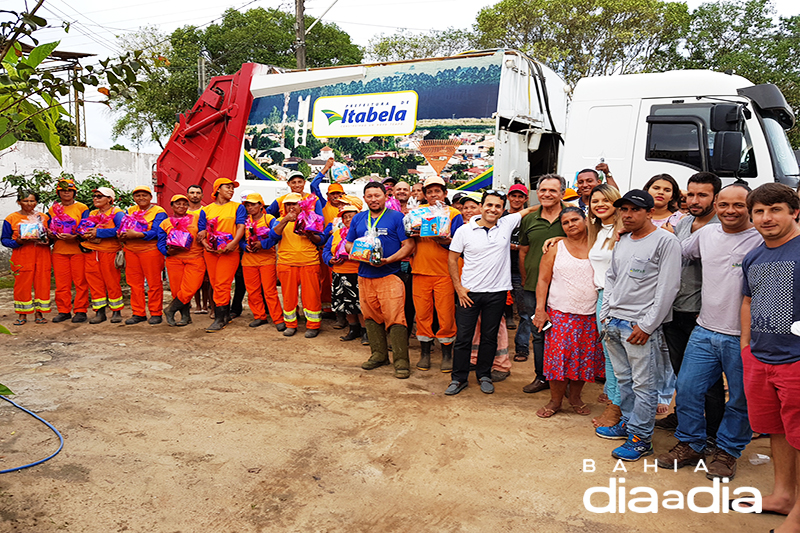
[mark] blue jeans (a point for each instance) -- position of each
(636, 371)
(523, 337)
(538, 336)
(610, 388)
(707, 356)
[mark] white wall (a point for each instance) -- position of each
(123, 169)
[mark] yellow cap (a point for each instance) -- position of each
(569, 194)
(178, 197)
(292, 198)
(142, 188)
(353, 200)
(223, 181)
(254, 198)
(348, 208)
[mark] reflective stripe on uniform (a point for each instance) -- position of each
(312, 316)
(115, 303)
(290, 316)
(23, 307)
(42, 305)
(97, 304)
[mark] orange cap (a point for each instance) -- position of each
(254, 198)
(178, 197)
(569, 194)
(335, 187)
(222, 181)
(292, 198)
(353, 200)
(142, 188)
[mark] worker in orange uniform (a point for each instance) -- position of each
(258, 264)
(330, 210)
(345, 278)
(221, 228)
(69, 264)
(298, 265)
(102, 273)
(186, 268)
(296, 183)
(432, 285)
(143, 260)
(25, 232)
(203, 297)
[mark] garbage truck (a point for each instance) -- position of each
(499, 115)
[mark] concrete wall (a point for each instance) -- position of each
(124, 169)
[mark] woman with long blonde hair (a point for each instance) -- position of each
(604, 227)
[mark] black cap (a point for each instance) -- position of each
(390, 179)
(458, 196)
(637, 197)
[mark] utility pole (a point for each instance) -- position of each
(300, 33)
(201, 74)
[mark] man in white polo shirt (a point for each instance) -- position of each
(482, 287)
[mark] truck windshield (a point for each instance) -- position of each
(785, 163)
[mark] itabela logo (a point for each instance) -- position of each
(351, 116)
(332, 116)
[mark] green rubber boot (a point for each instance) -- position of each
(377, 343)
(399, 336)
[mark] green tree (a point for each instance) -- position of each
(303, 167)
(303, 152)
(277, 157)
(119, 147)
(404, 45)
(579, 38)
(30, 95)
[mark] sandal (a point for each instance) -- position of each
(546, 412)
(40, 320)
(519, 358)
(582, 410)
(21, 321)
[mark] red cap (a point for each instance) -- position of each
(518, 187)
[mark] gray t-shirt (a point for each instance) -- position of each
(722, 255)
(688, 299)
(643, 280)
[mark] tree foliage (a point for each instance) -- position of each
(257, 35)
(30, 95)
(43, 183)
(579, 38)
(404, 45)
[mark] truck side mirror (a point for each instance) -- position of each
(726, 117)
(727, 154)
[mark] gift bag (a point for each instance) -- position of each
(340, 173)
(255, 233)
(93, 222)
(217, 240)
(180, 236)
(61, 223)
(308, 220)
(32, 229)
(393, 203)
(368, 248)
(436, 222)
(341, 251)
(134, 221)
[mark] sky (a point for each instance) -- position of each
(96, 26)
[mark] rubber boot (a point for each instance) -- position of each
(353, 334)
(399, 335)
(220, 319)
(341, 321)
(186, 314)
(99, 316)
(377, 344)
(447, 358)
(173, 308)
(425, 356)
(116, 317)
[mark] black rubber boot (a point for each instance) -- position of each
(186, 315)
(99, 316)
(116, 317)
(447, 358)
(61, 317)
(341, 321)
(174, 306)
(399, 336)
(425, 356)
(220, 319)
(353, 334)
(377, 344)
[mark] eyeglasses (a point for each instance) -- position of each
(98, 196)
(492, 192)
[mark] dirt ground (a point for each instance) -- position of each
(175, 430)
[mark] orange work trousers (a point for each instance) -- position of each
(383, 300)
(306, 277)
(69, 270)
(256, 279)
(430, 292)
(141, 266)
(31, 267)
(221, 271)
(104, 280)
(186, 274)
(326, 286)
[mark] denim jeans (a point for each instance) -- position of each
(707, 356)
(523, 337)
(610, 388)
(490, 307)
(636, 371)
(538, 337)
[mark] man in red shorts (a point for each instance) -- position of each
(771, 340)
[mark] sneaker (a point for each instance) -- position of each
(486, 385)
(722, 464)
(668, 423)
(679, 456)
(498, 375)
(617, 431)
(633, 449)
(455, 387)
